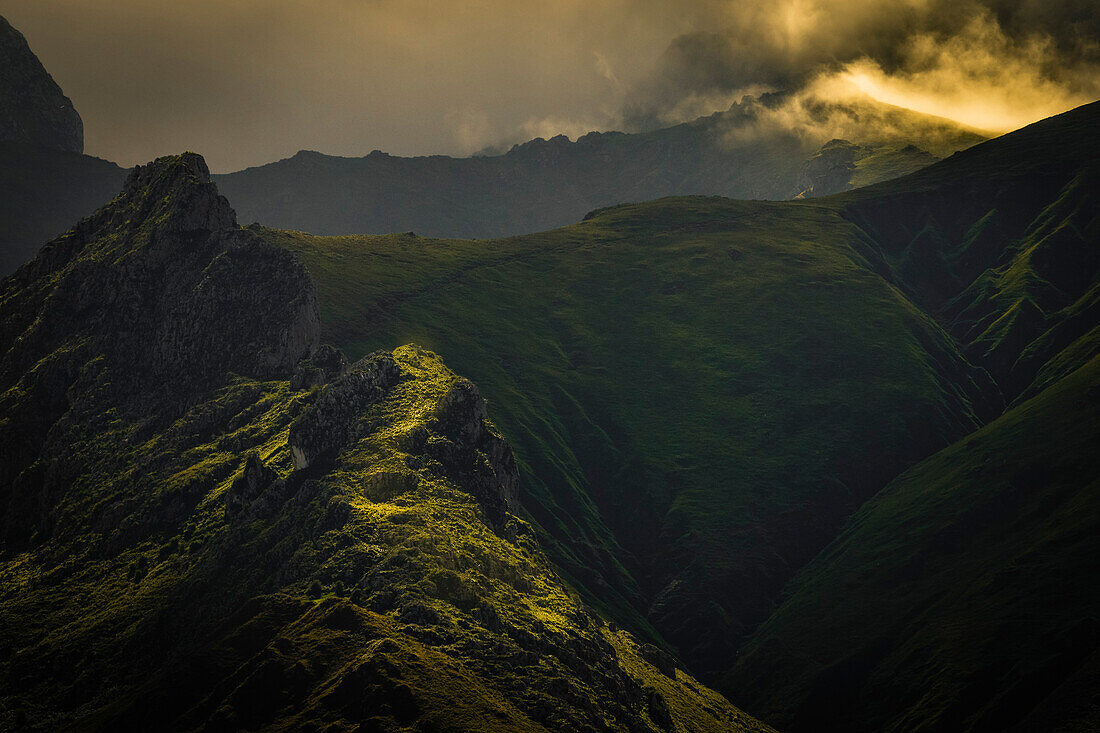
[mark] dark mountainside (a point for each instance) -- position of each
(544, 184)
(45, 182)
(701, 391)
(208, 521)
(34, 110)
(964, 596)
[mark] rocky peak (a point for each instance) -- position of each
(164, 280)
(33, 109)
(148, 304)
(829, 170)
(179, 189)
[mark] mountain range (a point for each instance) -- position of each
(745, 152)
(711, 464)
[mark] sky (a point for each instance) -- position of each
(246, 82)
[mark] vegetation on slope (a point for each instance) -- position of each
(958, 598)
(210, 522)
(999, 242)
(963, 596)
(699, 390)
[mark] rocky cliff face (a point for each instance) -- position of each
(829, 170)
(145, 305)
(33, 108)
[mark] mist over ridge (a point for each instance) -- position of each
(247, 83)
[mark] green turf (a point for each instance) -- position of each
(958, 598)
(699, 389)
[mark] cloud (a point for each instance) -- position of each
(248, 81)
(992, 64)
(980, 77)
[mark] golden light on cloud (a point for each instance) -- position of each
(978, 78)
(250, 81)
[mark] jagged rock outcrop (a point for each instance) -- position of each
(457, 441)
(829, 170)
(33, 108)
(253, 483)
(324, 365)
(472, 453)
(333, 421)
(163, 284)
(147, 304)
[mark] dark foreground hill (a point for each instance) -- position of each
(701, 391)
(208, 521)
(743, 153)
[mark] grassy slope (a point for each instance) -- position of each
(960, 596)
(151, 607)
(699, 389)
(703, 371)
(998, 242)
(963, 596)
(147, 583)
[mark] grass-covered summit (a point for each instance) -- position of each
(211, 522)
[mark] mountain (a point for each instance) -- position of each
(209, 520)
(701, 391)
(35, 111)
(42, 192)
(963, 597)
(46, 183)
(750, 151)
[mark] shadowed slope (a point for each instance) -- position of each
(958, 598)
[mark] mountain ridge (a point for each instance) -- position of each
(543, 184)
(213, 522)
(674, 262)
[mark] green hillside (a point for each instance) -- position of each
(699, 391)
(964, 595)
(960, 597)
(208, 521)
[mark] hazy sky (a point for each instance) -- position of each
(249, 81)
